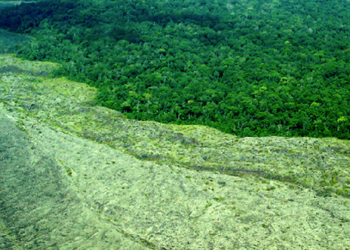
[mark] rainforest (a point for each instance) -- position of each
(245, 67)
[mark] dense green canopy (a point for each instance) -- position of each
(250, 68)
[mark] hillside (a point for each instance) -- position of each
(75, 175)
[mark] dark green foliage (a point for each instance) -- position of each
(250, 69)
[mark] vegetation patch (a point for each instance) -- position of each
(251, 68)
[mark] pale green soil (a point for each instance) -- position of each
(78, 176)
